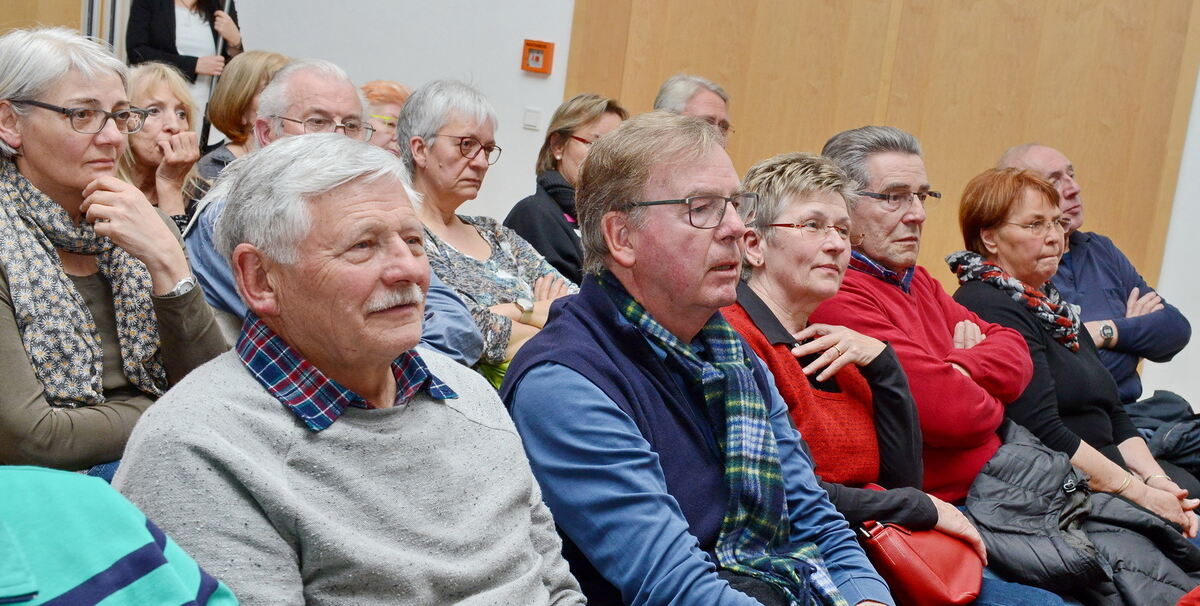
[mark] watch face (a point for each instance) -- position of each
(1106, 331)
(524, 304)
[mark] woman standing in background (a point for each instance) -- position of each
(186, 34)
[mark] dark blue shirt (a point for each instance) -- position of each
(1096, 276)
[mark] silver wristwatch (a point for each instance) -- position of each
(182, 287)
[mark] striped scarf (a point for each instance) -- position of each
(755, 533)
(1047, 305)
(56, 327)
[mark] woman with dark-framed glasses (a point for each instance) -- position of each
(99, 313)
(447, 139)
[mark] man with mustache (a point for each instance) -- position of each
(664, 449)
(1126, 318)
(325, 459)
(962, 370)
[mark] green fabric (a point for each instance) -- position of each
(494, 373)
(64, 528)
(755, 533)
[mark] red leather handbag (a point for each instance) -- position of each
(923, 567)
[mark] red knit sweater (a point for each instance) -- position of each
(959, 415)
(838, 427)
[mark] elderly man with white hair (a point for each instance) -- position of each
(695, 96)
(325, 460)
(316, 96)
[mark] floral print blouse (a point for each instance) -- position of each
(505, 276)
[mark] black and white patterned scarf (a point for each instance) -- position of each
(56, 327)
(1046, 303)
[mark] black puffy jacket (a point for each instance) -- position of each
(1044, 528)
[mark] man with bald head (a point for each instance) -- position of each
(1126, 318)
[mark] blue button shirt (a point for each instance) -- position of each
(448, 326)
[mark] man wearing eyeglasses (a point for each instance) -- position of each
(962, 370)
(304, 97)
(659, 439)
(1098, 277)
(695, 96)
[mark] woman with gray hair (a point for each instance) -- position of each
(99, 313)
(547, 218)
(447, 139)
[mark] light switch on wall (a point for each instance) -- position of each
(533, 118)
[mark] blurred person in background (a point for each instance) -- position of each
(384, 100)
(547, 219)
(160, 159)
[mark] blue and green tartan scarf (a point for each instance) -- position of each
(755, 534)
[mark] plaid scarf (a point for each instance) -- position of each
(755, 533)
(56, 327)
(1047, 305)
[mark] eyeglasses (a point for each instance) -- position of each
(892, 202)
(88, 121)
(707, 211)
(813, 229)
(722, 125)
(1039, 228)
(355, 129)
(389, 122)
(469, 147)
(583, 141)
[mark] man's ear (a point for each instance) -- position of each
(754, 245)
(620, 237)
(419, 150)
(253, 272)
(988, 237)
(8, 125)
(262, 132)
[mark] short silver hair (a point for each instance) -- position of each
(432, 105)
(674, 94)
(850, 148)
(32, 61)
(276, 98)
(267, 192)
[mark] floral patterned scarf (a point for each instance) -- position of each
(1047, 305)
(56, 327)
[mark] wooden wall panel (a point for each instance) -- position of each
(27, 13)
(1109, 82)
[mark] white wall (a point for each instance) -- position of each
(415, 41)
(1178, 282)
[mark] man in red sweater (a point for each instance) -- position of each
(962, 370)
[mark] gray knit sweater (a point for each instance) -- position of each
(430, 503)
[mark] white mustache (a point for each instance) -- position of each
(407, 295)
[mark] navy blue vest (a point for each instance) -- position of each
(588, 334)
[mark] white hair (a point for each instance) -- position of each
(674, 94)
(34, 60)
(267, 192)
(276, 98)
(432, 105)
